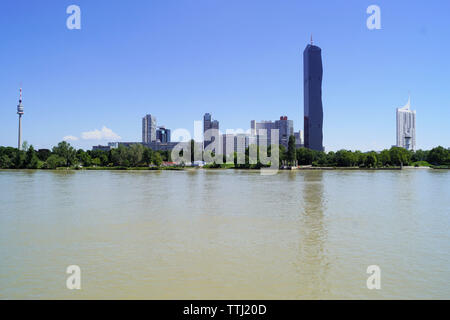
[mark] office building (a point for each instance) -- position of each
(286, 129)
(261, 132)
(208, 125)
(406, 127)
(148, 129)
(298, 139)
(312, 95)
(163, 135)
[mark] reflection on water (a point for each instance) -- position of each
(224, 234)
(312, 256)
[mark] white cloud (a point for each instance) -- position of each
(70, 138)
(104, 134)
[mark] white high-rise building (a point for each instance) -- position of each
(406, 127)
(148, 129)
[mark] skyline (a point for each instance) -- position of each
(78, 82)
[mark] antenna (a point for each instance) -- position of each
(312, 40)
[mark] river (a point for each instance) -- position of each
(225, 234)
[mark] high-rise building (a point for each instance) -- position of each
(148, 129)
(20, 113)
(406, 127)
(286, 129)
(163, 135)
(298, 139)
(208, 124)
(312, 95)
(263, 131)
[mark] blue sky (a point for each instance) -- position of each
(239, 60)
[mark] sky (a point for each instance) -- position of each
(238, 60)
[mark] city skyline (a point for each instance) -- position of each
(251, 71)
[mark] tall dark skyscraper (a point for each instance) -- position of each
(312, 93)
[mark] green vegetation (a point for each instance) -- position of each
(421, 164)
(138, 157)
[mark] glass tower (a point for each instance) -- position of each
(312, 95)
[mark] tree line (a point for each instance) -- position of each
(137, 155)
(64, 155)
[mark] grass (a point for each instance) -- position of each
(421, 164)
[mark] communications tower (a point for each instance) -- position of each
(20, 113)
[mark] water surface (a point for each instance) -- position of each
(225, 234)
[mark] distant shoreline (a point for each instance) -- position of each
(62, 169)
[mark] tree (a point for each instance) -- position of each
(399, 156)
(5, 162)
(19, 159)
(345, 158)
(55, 161)
(43, 154)
(371, 160)
(291, 153)
(147, 156)
(193, 152)
(66, 152)
(384, 158)
(157, 159)
(304, 156)
(31, 159)
(420, 155)
(135, 153)
(439, 156)
(84, 158)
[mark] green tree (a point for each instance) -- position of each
(31, 159)
(304, 156)
(371, 160)
(55, 161)
(147, 156)
(420, 155)
(157, 159)
(193, 152)
(384, 158)
(96, 162)
(291, 153)
(399, 156)
(65, 151)
(439, 156)
(5, 162)
(19, 159)
(84, 158)
(135, 154)
(43, 154)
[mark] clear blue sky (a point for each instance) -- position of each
(239, 60)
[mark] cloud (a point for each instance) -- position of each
(70, 138)
(104, 134)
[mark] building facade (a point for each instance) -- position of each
(406, 127)
(286, 129)
(312, 95)
(163, 135)
(208, 125)
(148, 129)
(261, 132)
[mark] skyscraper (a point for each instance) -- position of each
(286, 128)
(208, 124)
(312, 95)
(20, 113)
(148, 129)
(406, 127)
(163, 135)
